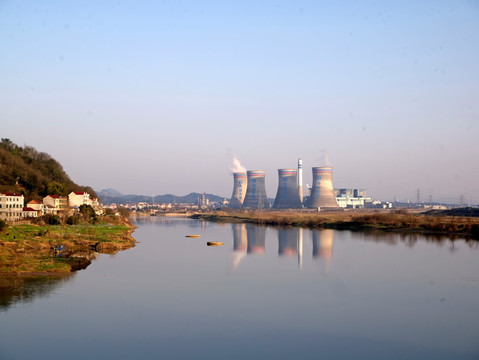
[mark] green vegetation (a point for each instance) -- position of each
(359, 220)
(34, 174)
(3, 225)
(35, 249)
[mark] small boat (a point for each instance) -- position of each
(193, 236)
(214, 243)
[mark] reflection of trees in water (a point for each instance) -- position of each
(410, 239)
(14, 289)
(170, 221)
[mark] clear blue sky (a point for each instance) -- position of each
(154, 97)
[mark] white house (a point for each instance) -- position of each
(11, 206)
(76, 198)
(28, 212)
(54, 204)
(36, 205)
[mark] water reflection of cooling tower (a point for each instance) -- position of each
(288, 241)
(287, 196)
(255, 197)
(240, 240)
(256, 236)
(322, 193)
(239, 189)
(323, 244)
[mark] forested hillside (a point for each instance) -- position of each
(34, 174)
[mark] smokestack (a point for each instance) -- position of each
(239, 190)
(300, 180)
(287, 196)
(322, 193)
(256, 197)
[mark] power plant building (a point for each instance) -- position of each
(256, 197)
(239, 190)
(322, 192)
(287, 196)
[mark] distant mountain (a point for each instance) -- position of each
(34, 174)
(110, 192)
(109, 196)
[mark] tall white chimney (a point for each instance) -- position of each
(300, 179)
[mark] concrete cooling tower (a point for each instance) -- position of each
(255, 197)
(322, 193)
(239, 190)
(287, 196)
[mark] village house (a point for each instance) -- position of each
(37, 205)
(78, 198)
(54, 204)
(28, 212)
(11, 206)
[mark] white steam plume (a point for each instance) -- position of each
(236, 165)
(324, 158)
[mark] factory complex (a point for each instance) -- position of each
(249, 191)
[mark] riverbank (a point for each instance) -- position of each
(30, 249)
(356, 220)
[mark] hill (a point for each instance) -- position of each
(109, 196)
(34, 174)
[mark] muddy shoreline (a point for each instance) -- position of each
(388, 221)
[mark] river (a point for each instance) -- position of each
(276, 293)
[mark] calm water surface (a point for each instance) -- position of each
(267, 293)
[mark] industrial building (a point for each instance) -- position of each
(287, 196)
(322, 192)
(249, 191)
(239, 190)
(352, 198)
(256, 197)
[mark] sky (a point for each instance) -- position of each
(157, 97)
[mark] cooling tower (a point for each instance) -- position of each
(239, 190)
(322, 193)
(287, 196)
(255, 197)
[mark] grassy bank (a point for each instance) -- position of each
(356, 220)
(37, 249)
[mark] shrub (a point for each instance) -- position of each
(3, 224)
(73, 220)
(51, 219)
